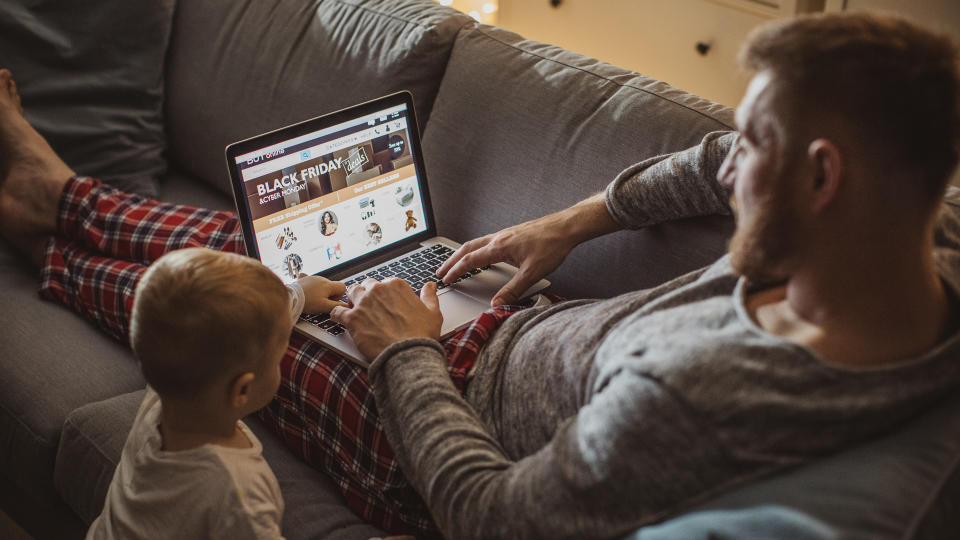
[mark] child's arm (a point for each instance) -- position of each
(314, 294)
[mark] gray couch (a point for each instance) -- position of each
(513, 129)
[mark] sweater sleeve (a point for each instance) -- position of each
(624, 460)
(672, 186)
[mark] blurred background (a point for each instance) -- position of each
(691, 44)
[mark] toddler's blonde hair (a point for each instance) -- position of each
(200, 315)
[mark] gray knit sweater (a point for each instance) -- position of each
(590, 418)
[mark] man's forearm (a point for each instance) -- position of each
(587, 219)
(665, 187)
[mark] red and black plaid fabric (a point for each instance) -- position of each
(324, 410)
(105, 238)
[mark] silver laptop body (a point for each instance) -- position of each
(345, 196)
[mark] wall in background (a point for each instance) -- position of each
(484, 11)
(659, 38)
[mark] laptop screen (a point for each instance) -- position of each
(320, 200)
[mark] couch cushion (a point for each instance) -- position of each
(90, 446)
(93, 438)
(91, 78)
(52, 362)
(238, 68)
(181, 188)
(520, 129)
(884, 489)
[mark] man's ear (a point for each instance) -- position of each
(827, 163)
(240, 389)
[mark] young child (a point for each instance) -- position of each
(209, 329)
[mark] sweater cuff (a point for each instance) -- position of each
(672, 186)
(399, 347)
(625, 211)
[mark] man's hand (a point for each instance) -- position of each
(531, 247)
(536, 247)
(385, 312)
(321, 294)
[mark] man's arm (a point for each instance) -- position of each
(627, 458)
(630, 457)
(536, 247)
(659, 189)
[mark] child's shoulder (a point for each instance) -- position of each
(145, 428)
(245, 465)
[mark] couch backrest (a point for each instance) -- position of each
(237, 68)
(520, 129)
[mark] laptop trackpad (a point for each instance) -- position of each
(485, 285)
(458, 309)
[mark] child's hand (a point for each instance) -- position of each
(321, 293)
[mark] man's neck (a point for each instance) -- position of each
(862, 308)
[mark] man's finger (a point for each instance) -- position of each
(329, 305)
(467, 247)
(510, 293)
(463, 250)
(428, 295)
(456, 270)
(337, 313)
(475, 259)
(355, 291)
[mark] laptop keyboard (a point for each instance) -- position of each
(417, 269)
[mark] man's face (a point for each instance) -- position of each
(766, 235)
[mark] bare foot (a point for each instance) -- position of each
(32, 176)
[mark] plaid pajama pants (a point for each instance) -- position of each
(324, 410)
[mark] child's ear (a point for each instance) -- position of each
(240, 389)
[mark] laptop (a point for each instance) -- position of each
(345, 196)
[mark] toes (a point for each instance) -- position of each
(7, 84)
(12, 88)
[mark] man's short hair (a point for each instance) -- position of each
(200, 315)
(894, 85)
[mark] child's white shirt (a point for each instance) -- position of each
(206, 492)
(297, 300)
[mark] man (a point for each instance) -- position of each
(831, 318)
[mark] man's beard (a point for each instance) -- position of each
(760, 249)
